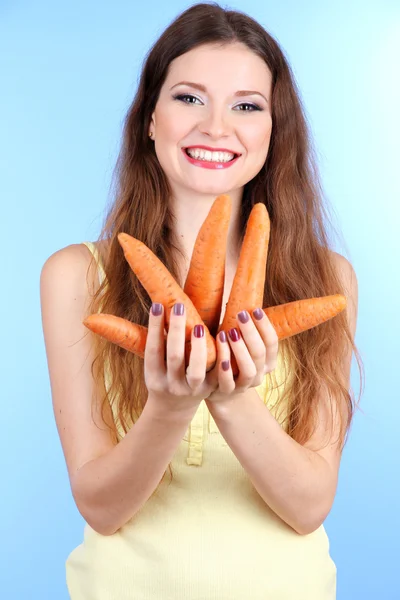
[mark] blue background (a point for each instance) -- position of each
(68, 73)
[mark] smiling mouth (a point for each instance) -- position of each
(214, 161)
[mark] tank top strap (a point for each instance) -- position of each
(93, 249)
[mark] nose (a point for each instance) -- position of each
(215, 125)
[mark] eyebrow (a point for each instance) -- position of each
(202, 88)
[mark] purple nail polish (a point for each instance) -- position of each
(178, 308)
(222, 336)
(234, 334)
(225, 365)
(243, 316)
(258, 313)
(198, 331)
(156, 309)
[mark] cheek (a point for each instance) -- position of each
(173, 123)
(257, 138)
(257, 143)
(257, 149)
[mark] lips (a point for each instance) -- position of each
(208, 149)
(206, 164)
(234, 157)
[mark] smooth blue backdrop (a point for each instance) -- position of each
(68, 73)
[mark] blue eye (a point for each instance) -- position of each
(181, 97)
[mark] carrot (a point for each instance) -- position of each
(118, 330)
(162, 287)
(246, 294)
(247, 290)
(124, 333)
(205, 279)
(294, 317)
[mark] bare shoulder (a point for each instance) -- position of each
(73, 255)
(71, 266)
(346, 271)
(349, 280)
(341, 261)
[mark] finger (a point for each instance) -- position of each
(254, 343)
(246, 366)
(176, 344)
(269, 337)
(226, 382)
(196, 370)
(154, 352)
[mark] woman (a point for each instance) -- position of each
(253, 461)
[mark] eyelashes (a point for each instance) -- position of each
(181, 97)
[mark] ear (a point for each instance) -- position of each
(152, 125)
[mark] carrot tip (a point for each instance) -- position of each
(122, 237)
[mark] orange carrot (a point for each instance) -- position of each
(124, 333)
(246, 294)
(294, 317)
(118, 330)
(247, 290)
(205, 279)
(162, 287)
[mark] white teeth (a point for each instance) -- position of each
(210, 156)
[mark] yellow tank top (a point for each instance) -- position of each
(207, 535)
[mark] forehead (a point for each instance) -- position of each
(216, 66)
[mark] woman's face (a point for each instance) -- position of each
(186, 116)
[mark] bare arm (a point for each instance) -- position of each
(112, 488)
(108, 482)
(298, 482)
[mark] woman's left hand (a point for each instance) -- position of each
(254, 343)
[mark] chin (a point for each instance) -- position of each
(216, 189)
(210, 192)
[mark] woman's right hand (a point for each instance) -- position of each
(171, 386)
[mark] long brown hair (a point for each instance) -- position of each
(300, 263)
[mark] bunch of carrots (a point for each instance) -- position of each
(203, 291)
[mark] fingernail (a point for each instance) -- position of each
(243, 316)
(178, 308)
(234, 334)
(198, 331)
(225, 365)
(156, 309)
(258, 313)
(222, 336)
